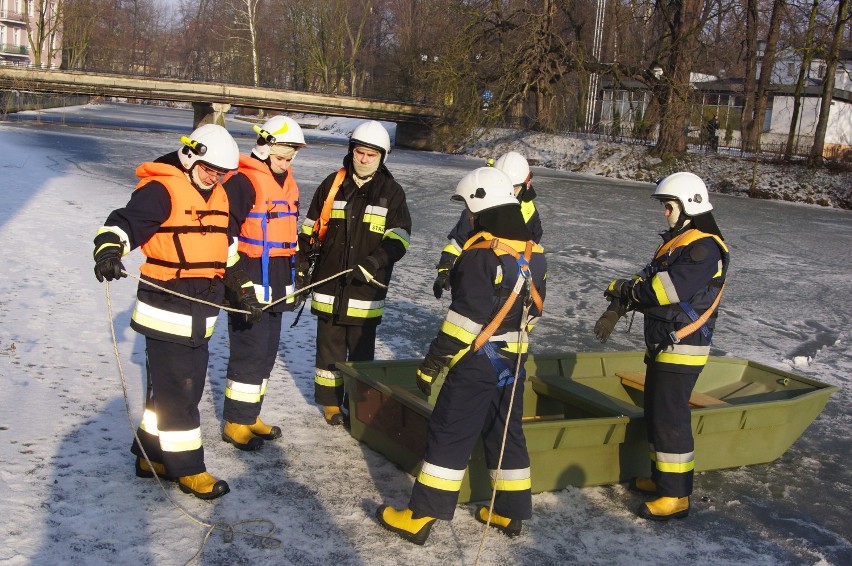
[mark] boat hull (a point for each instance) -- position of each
(583, 417)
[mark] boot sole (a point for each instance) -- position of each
(271, 435)
(645, 513)
(220, 488)
(418, 538)
(248, 446)
(509, 531)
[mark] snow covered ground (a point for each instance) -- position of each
(69, 492)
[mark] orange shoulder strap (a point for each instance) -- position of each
(322, 221)
(495, 323)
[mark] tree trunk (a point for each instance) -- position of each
(766, 66)
(750, 72)
(807, 57)
(674, 90)
(828, 85)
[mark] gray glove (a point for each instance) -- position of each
(606, 323)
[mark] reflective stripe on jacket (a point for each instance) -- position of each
(193, 241)
(482, 280)
(688, 271)
(368, 221)
(164, 316)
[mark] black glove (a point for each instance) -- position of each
(606, 323)
(242, 287)
(621, 289)
(442, 281)
(303, 276)
(429, 370)
(107, 254)
(364, 271)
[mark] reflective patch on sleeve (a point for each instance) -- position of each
(399, 234)
(664, 289)
(460, 327)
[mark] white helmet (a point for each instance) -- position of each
(688, 189)
(277, 130)
(212, 145)
(373, 135)
(515, 166)
(484, 188)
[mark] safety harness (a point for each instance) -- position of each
(698, 322)
(523, 286)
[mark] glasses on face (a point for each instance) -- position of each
(211, 172)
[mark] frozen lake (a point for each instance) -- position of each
(64, 464)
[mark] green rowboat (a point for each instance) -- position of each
(583, 417)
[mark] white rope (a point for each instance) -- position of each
(229, 309)
(522, 339)
(267, 540)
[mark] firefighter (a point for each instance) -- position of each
(264, 203)
(517, 168)
(178, 214)
(497, 297)
(678, 292)
(358, 220)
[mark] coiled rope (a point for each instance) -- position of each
(229, 529)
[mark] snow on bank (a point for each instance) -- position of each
(793, 183)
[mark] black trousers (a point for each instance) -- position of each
(472, 406)
(669, 426)
(254, 349)
(339, 343)
(176, 376)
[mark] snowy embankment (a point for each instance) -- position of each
(723, 174)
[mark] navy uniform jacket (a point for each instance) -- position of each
(688, 270)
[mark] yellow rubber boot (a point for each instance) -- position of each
(507, 526)
(241, 436)
(333, 415)
(404, 524)
(146, 470)
(665, 508)
(264, 431)
(644, 485)
(203, 486)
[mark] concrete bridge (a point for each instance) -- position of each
(210, 100)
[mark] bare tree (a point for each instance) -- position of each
(682, 20)
(245, 24)
(841, 23)
(753, 122)
(78, 27)
(43, 33)
(807, 57)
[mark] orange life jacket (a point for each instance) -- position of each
(193, 241)
(270, 227)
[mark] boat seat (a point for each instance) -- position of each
(575, 394)
(636, 380)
